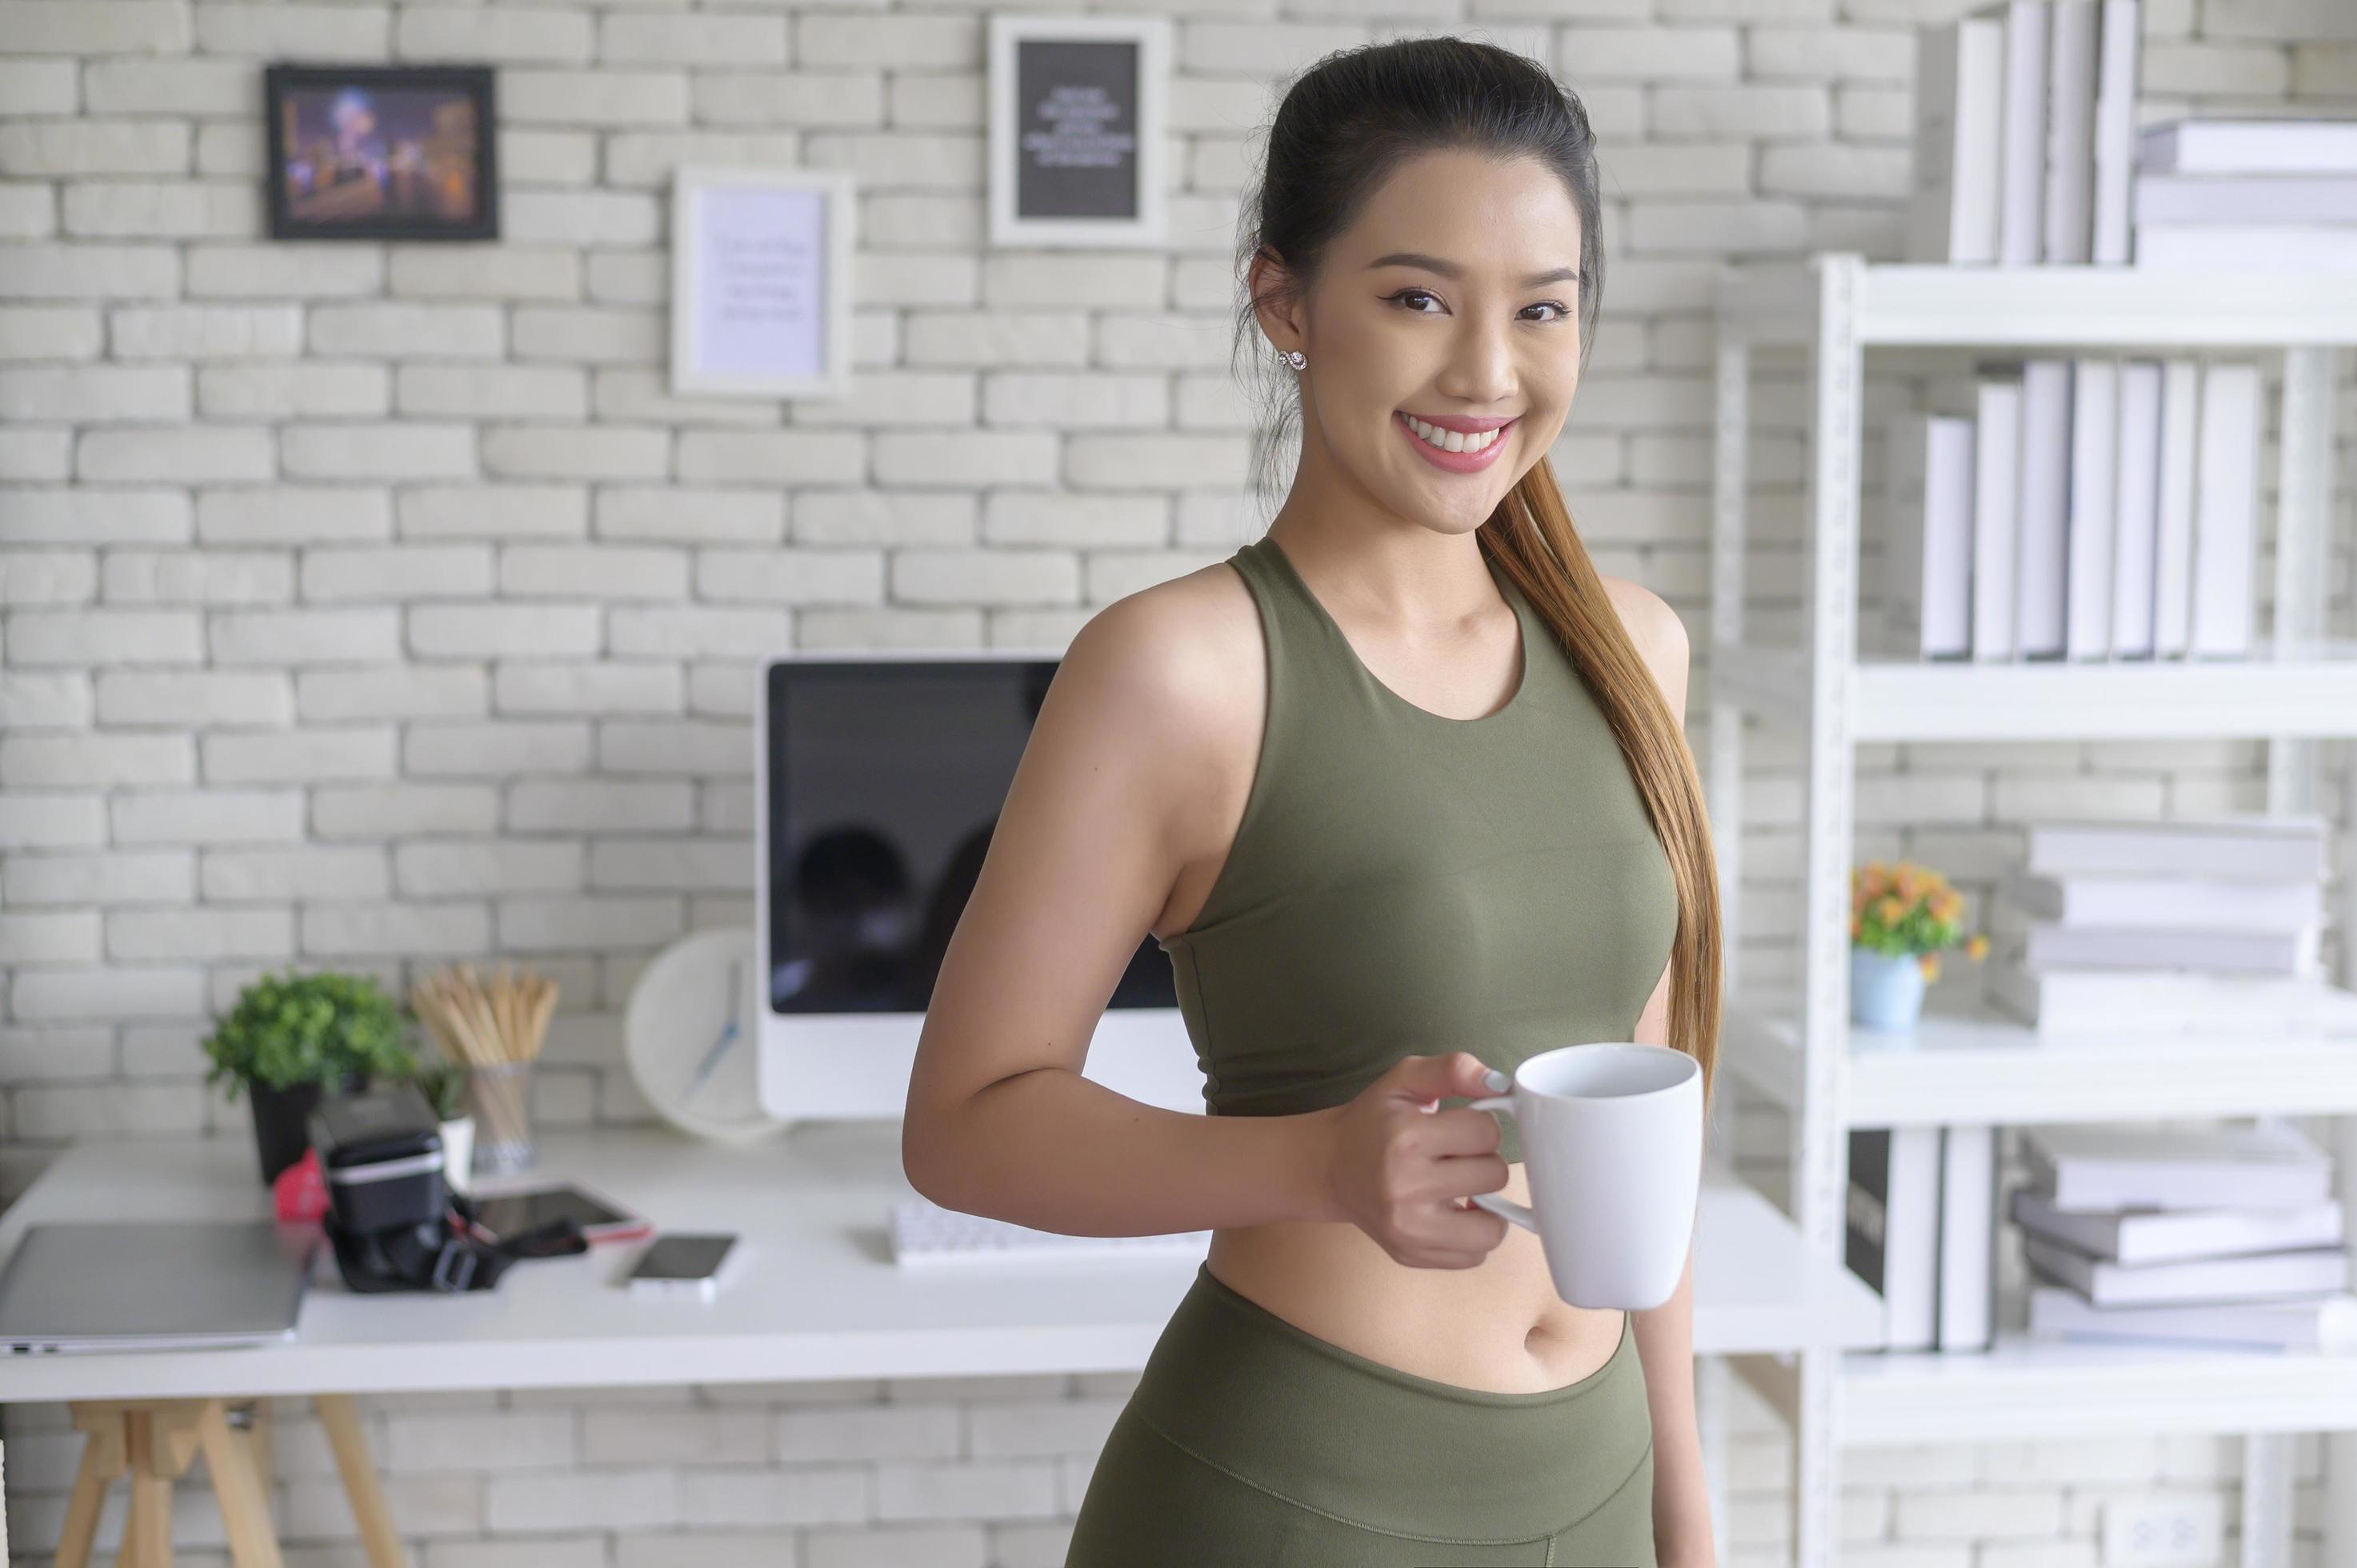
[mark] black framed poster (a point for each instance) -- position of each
(367, 151)
(1077, 130)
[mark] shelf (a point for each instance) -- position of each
(1965, 1065)
(2313, 693)
(2027, 1388)
(2049, 306)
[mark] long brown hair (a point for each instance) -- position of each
(1343, 126)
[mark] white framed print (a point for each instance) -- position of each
(1078, 137)
(760, 281)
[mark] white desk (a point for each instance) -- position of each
(819, 1296)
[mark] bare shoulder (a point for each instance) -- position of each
(1659, 633)
(1174, 652)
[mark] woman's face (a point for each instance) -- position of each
(1453, 301)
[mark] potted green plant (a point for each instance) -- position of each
(444, 1084)
(291, 1040)
(1901, 918)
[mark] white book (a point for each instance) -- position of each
(1927, 555)
(2095, 502)
(2042, 946)
(2102, 1166)
(2232, 846)
(2070, 220)
(2181, 446)
(2196, 200)
(2324, 1323)
(2021, 216)
(1997, 484)
(2161, 902)
(1893, 1228)
(1967, 1272)
(2043, 508)
(2128, 1004)
(2246, 247)
(2174, 1236)
(2136, 528)
(2117, 72)
(1960, 108)
(2255, 1278)
(2249, 145)
(2226, 499)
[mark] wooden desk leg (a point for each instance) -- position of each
(244, 1504)
(257, 1439)
(147, 1535)
(105, 1454)
(378, 1537)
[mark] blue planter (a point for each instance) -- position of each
(1885, 992)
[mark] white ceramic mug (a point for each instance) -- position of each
(1612, 1148)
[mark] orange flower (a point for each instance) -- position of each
(1976, 948)
(1931, 962)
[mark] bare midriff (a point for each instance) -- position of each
(1497, 1325)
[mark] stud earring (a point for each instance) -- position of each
(1296, 357)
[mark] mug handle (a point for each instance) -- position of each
(1503, 1208)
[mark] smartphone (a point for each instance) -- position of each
(512, 1211)
(683, 1263)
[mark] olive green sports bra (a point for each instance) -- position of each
(1404, 884)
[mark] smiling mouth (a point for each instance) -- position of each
(1445, 440)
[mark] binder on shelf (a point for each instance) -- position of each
(1969, 1184)
(2021, 213)
(2043, 946)
(2136, 516)
(1927, 552)
(2117, 71)
(2224, 550)
(2249, 145)
(2041, 552)
(2162, 902)
(1997, 484)
(2067, 231)
(2229, 846)
(2095, 503)
(2180, 429)
(2119, 1003)
(1959, 107)
(1893, 1228)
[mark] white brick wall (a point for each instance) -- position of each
(369, 605)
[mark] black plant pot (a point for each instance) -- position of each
(281, 1118)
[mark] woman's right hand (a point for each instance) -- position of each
(1401, 1169)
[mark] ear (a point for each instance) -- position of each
(1267, 283)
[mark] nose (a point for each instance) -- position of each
(1480, 371)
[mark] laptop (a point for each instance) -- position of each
(153, 1284)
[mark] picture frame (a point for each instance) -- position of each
(1078, 118)
(371, 152)
(761, 280)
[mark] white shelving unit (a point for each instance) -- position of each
(1977, 1066)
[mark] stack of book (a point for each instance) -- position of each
(2264, 194)
(2024, 133)
(2195, 925)
(2098, 506)
(2225, 1235)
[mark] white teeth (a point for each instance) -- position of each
(1450, 440)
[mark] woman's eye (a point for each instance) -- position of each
(1407, 293)
(1550, 304)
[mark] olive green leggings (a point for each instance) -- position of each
(1251, 1442)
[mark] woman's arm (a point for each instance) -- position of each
(1115, 783)
(1682, 1530)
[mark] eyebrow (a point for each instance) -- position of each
(1449, 269)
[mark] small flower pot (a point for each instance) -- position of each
(281, 1118)
(1885, 991)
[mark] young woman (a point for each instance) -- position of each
(1402, 789)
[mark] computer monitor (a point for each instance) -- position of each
(877, 778)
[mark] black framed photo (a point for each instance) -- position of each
(1077, 129)
(366, 152)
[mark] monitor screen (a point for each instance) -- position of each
(884, 778)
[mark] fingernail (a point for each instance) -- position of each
(1498, 1081)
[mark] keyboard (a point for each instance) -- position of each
(926, 1235)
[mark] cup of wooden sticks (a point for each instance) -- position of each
(492, 1026)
